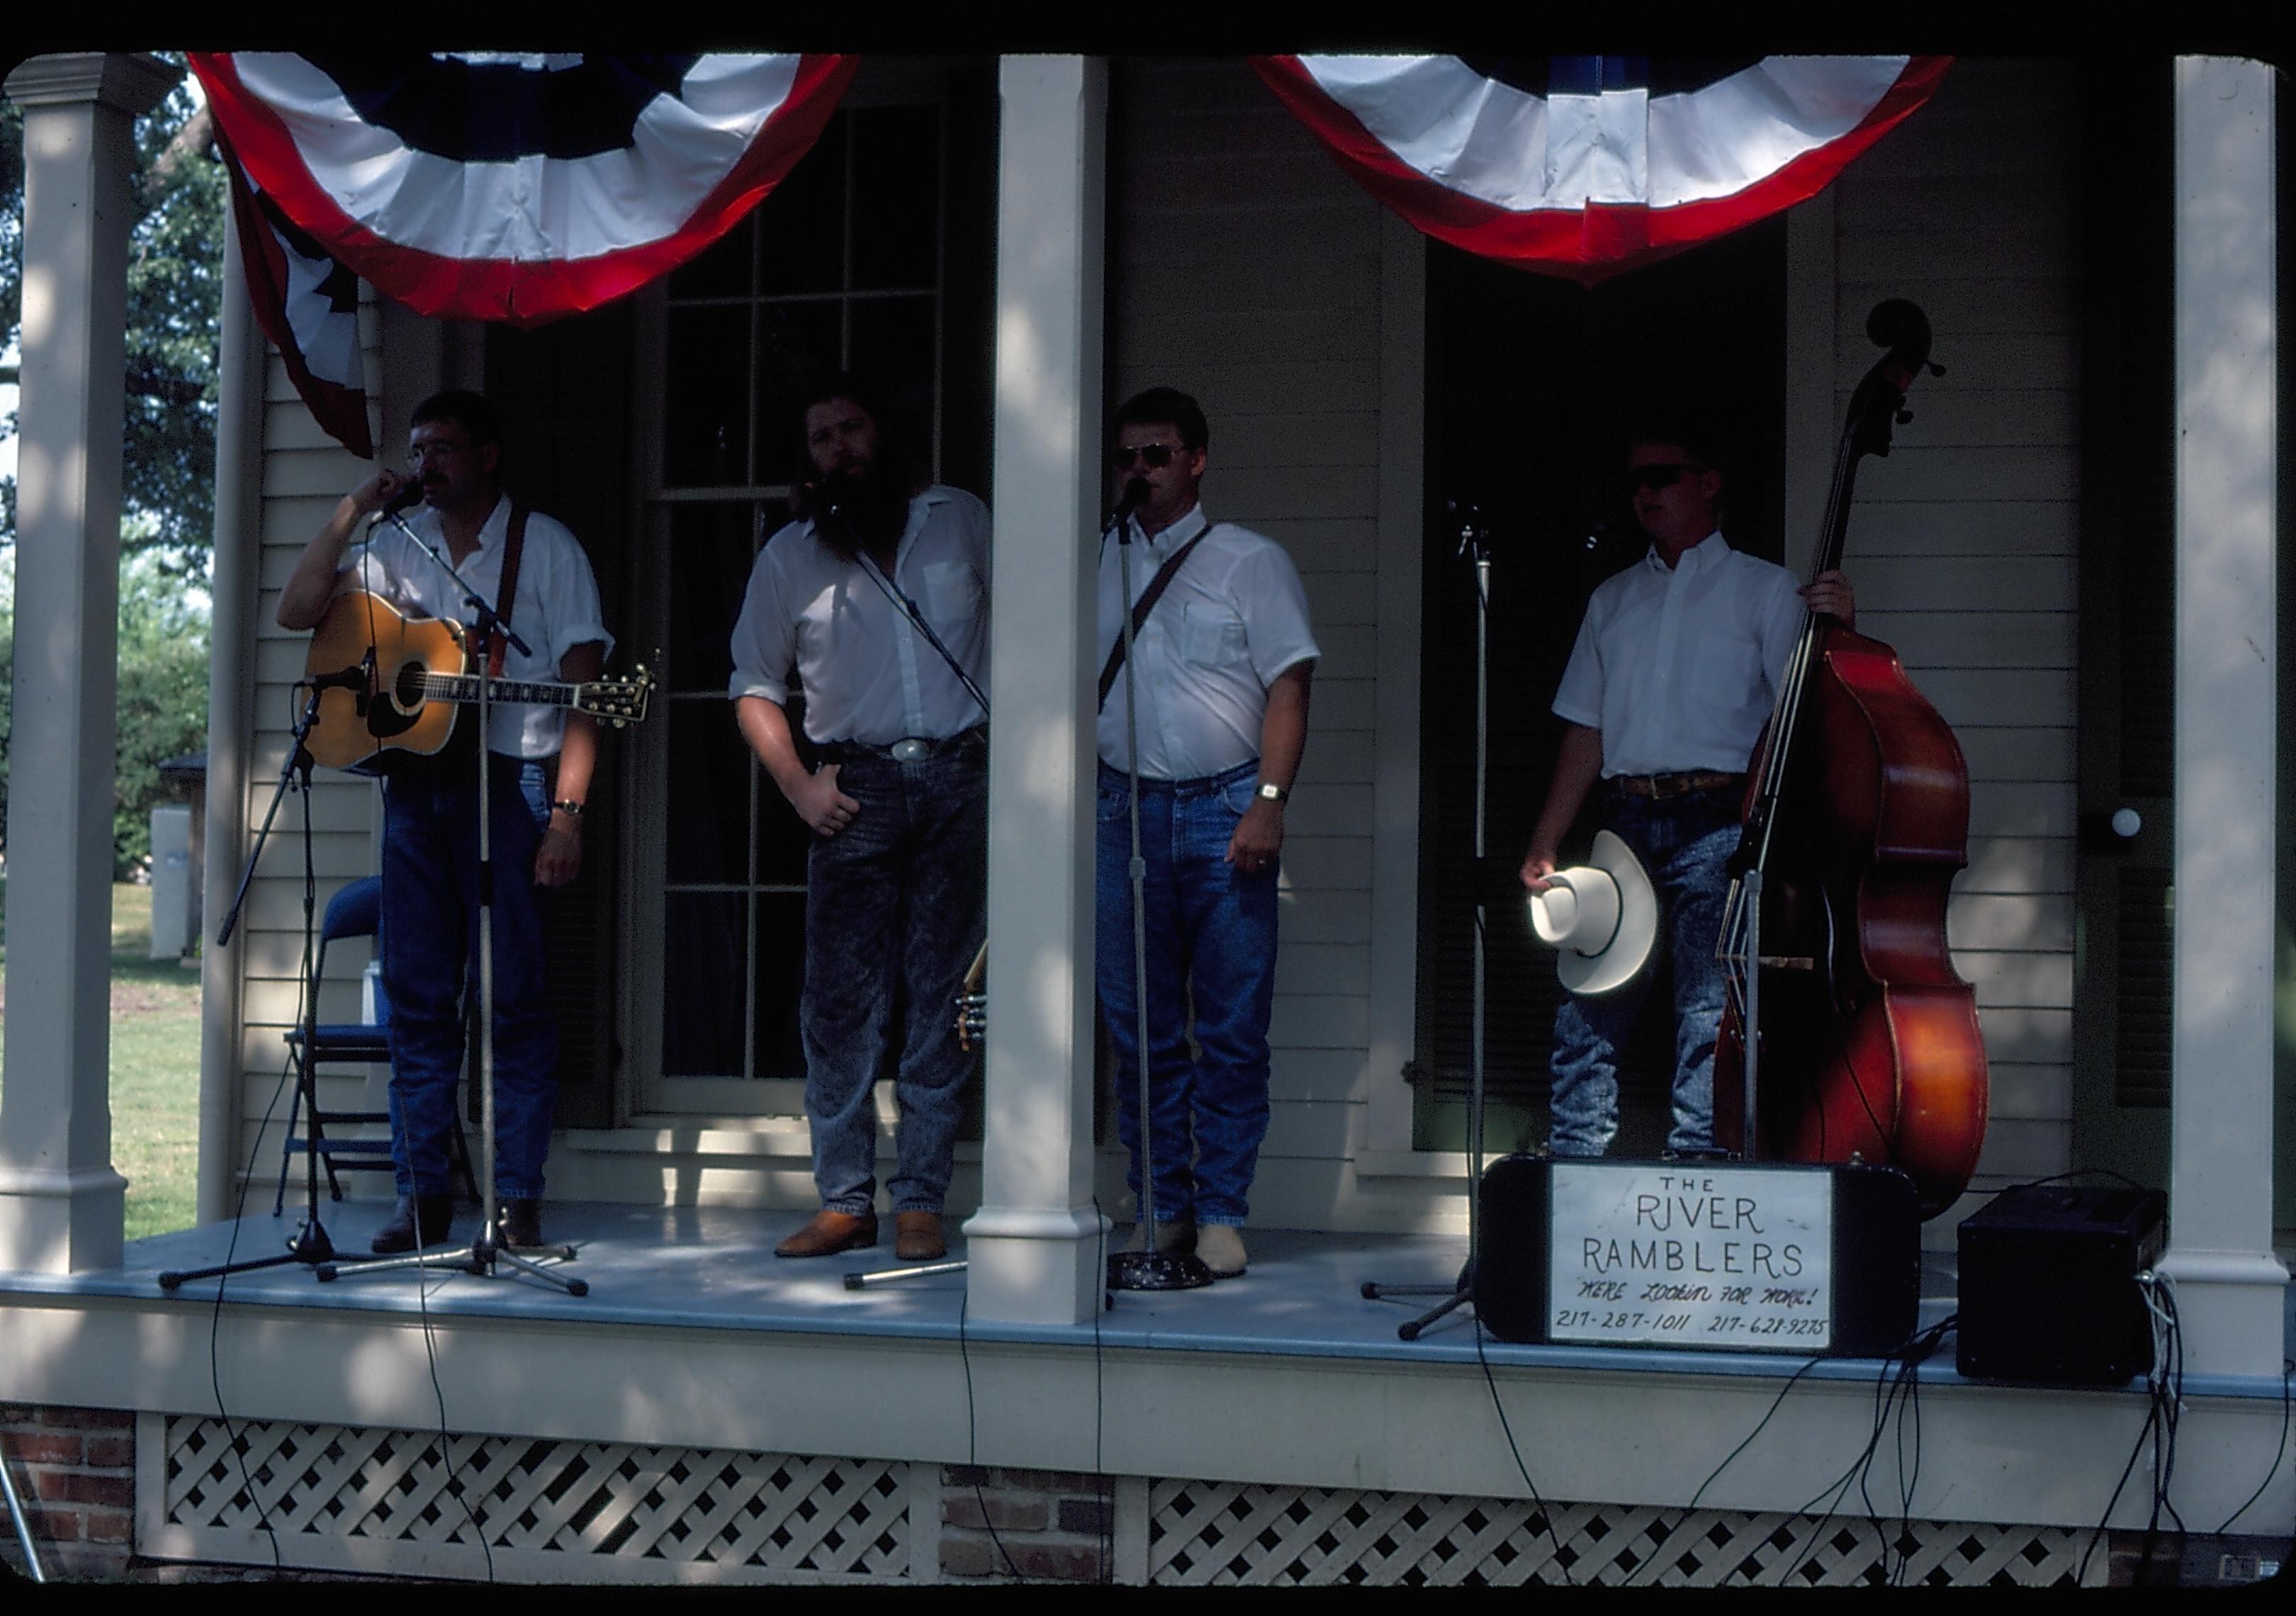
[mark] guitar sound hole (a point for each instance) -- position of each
(406, 689)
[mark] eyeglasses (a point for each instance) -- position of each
(418, 452)
(1156, 456)
(1650, 479)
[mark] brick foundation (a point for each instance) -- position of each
(75, 1474)
(1036, 1525)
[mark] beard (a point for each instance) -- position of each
(858, 506)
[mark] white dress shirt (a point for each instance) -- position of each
(868, 674)
(1233, 618)
(1679, 666)
(556, 609)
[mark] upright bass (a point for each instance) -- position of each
(1855, 820)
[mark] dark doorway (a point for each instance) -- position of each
(1531, 382)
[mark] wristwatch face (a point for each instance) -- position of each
(1270, 792)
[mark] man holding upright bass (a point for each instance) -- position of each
(875, 602)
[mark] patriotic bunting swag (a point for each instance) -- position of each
(308, 304)
(478, 186)
(1585, 165)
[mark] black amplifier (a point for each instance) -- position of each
(2048, 1283)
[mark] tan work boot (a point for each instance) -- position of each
(1170, 1237)
(1220, 1246)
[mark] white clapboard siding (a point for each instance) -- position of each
(304, 473)
(1246, 270)
(1963, 542)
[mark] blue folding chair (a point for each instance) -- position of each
(355, 911)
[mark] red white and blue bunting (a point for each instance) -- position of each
(308, 304)
(480, 186)
(1582, 167)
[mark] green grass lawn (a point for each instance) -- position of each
(155, 1068)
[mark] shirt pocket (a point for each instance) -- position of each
(1211, 634)
(952, 595)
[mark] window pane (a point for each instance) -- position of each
(896, 182)
(783, 838)
(709, 792)
(705, 419)
(704, 971)
(801, 226)
(893, 346)
(781, 972)
(797, 344)
(722, 269)
(710, 548)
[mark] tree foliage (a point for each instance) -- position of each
(175, 304)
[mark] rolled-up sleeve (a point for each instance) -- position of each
(576, 617)
(765, 636)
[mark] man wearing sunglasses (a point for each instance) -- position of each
(1678, 665)
(1221, 669)
(875, 602)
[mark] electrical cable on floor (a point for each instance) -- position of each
(1546, 1512)
(972, 1441)
(2287, 1370)
(215, 1315)
(2152, 1428)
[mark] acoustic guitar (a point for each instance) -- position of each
(406, 695)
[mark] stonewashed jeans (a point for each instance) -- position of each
(1685, 844)
(894, 913)
(1211, 941)
(430, 943)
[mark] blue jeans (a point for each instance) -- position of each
(430, 944)
(893, 916)
(1685, 844)
(1211, 943)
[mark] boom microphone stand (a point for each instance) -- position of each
(1474, 546)
(488, 1250)
(310, 1243)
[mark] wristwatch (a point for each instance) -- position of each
(1270, 792)
(567, 805)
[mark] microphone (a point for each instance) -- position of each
(1135, 495)
(408, 497)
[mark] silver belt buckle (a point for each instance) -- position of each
(909, 749)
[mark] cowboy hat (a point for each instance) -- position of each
(1600, 918)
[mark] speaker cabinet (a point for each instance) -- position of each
(2048, 1283)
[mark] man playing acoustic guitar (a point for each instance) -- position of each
(535, 573)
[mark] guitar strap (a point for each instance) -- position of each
(1147, 603)
(506, 591)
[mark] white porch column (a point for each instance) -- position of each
(60, 1203)
(2228, 1283)
(1034, 1242)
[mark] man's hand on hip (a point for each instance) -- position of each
(821, 805)
(1259, 837)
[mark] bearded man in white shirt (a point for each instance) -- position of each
(1224, 661)
(535, 573)
(1676, 667)
(876, 601)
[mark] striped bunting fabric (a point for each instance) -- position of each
(488, 186)
(1585, 166)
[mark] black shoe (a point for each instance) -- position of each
(521, 1221)
(436, 1213)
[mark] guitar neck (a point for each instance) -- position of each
(464, 687)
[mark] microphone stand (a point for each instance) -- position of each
(1474, 546)
(1149, 1268)
(310, 1243)
(488, 1250)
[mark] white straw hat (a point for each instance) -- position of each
(1600, 918)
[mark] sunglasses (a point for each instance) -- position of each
(1156, 456)
(1650, 479)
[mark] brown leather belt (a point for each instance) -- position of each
(1676, 785)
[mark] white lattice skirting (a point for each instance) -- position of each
(525, 1509)
(1202, 1532)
